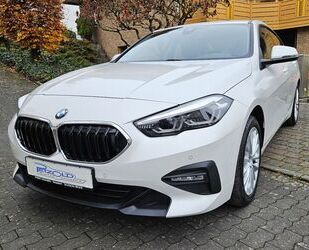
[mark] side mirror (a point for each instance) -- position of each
(283, 51)
(280, 54)
(115, 57)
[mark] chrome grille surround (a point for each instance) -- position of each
(55, 133)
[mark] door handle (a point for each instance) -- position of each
(285, 69)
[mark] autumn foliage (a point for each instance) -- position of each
(33, 24)
(134, 15)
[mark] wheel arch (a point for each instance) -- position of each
(258, 113)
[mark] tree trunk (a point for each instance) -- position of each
(6, 43)
(35, 53)
(123, 39)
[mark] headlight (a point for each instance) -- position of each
(21, 100)
(200, 113)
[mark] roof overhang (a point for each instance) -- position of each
(72, 2)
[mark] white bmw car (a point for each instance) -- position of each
(174, 126)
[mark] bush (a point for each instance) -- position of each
(73, 54)
(70, 34)
(85, 28)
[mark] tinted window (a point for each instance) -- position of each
(197, 42)
(267, 41)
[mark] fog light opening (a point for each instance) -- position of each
(189, 178)
(199, 178)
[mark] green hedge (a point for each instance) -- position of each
(85, 27)
(74, 54)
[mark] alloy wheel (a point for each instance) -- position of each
(251, 161)
(296, 106)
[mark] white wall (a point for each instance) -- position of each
(70, 17)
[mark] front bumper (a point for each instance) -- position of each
(148, 160)
(127, 199)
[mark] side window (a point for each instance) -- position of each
(267, 41)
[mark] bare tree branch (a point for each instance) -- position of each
(150, 15)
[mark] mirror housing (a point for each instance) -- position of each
(280, 54)
(115, 57)
(283, 51)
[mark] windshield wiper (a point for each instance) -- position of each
(173, 60)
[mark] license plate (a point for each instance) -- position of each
(61, 174)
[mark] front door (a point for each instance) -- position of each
(275, 81)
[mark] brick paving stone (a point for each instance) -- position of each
(22, 241)
(294, 214)
(153, 232)
(127, 231)
(78, 230)
(251, 224)
(277, 225)
(183, 245)
(240, 246)
(50, 231)
(9, 227)
(223, 211)
(103, 230)
(130, 243)
(210, 245)
(258, 239)
(198, 222)
(301, 227)
(159, 243)
(105, 242)
(276, 163)
(269, 212)
(73, 243)
(178, 232)
(230, 237)
(292, 161)
(305, 178)
(47, 243)
(270, 247)
(8, 237)
(246, 212)
(227, 222)
(202, 236)
(4, 220)
(282, 191)
(286, 240)
(304, 204)
(33, 227)
(285, 203)
(264, 201)
(301, 246)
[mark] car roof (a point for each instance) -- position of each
(217, 23)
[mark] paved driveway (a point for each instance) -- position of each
(277, 219)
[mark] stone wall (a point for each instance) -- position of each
(111, 42)
(303, 40)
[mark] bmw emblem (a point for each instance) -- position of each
(62, 113)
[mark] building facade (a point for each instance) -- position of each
(70, 14)
(290, 18)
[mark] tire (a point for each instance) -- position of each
(295, 111)
(242, 195)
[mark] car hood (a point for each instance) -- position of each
(172, 82)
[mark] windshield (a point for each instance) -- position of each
(195, 42)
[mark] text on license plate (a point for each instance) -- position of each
(77, 177)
